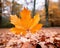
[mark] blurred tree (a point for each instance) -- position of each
(13, 6)
(8, 3)
(53, 5)
(16, 8)
(34, 8)
(0, 11)
(54, 14)
(34, 5)
(46, 9)
(6, 14)
(59, 3)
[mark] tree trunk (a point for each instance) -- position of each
(13, 7)
(0, 11)
(46, 10)
(34, 8)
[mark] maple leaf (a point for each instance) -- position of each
(25, 23)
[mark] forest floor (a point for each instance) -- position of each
(9, 40)
(49, 28)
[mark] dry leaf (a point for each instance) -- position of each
(25, 23)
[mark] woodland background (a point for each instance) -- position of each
(50, 13)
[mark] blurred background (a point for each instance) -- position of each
(49, 11)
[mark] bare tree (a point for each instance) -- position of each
(46, 10)
(0, 11)
(34, 7)
(13, 6)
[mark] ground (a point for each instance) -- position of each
(44, 36)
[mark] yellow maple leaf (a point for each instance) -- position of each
(25, 23)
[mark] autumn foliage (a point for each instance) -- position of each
(26, 23)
